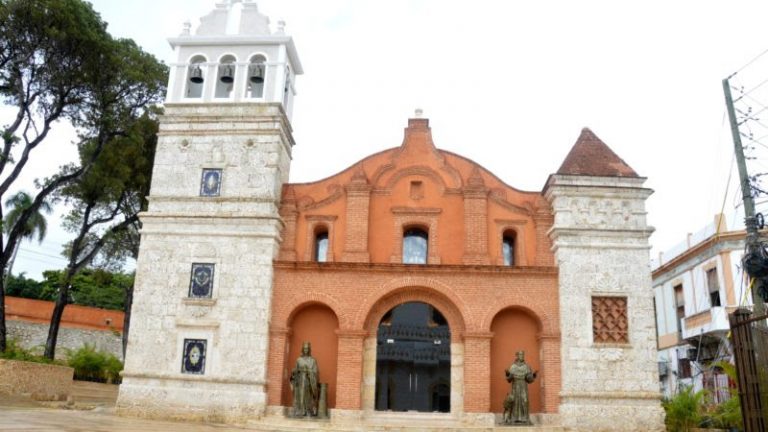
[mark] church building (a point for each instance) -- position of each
(415, 274)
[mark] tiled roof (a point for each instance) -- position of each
(592, 157)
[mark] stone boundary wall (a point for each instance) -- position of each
(41, 381)
(33, 335)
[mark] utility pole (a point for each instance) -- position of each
(748, 344)
(750, 220)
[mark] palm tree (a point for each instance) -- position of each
(35, 224)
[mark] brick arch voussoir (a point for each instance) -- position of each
(412, 289)
(285, 316)
(545, 321)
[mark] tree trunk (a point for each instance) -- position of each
(10, 264)
(58, 310)
(127, 318)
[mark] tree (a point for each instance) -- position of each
(105, 205)
(35, 224)
(57, 62)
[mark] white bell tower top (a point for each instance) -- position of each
(234, 57)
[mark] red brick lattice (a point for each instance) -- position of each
(609, 320)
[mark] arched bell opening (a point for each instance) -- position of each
(225, 82)
(514, 330)
(257, 74)
(413, 360)
(317, 324)
(195, 77)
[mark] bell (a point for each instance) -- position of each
(227, 75)
(256, 74)
(196, 74)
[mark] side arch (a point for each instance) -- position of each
(515, 329)
(282, 317)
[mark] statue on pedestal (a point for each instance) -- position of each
(516, 405)
(304, 384)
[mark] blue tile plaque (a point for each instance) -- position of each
(201, 283)
(210, 185)
(194, 356)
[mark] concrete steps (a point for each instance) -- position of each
(390, 423)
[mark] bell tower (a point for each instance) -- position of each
(198, 342)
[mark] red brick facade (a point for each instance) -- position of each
(492, 310)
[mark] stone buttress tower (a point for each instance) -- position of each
(198, 343)
(608, 342)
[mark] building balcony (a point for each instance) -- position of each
(710, 321)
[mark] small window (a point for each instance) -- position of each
(713, 284)
(680, 307)
(257, 72)
(195, 77)
(610, 322)
(508, 248)
(415, 246)
(321, 246)
(226, 77)
(683, 368)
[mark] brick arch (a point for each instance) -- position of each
(546, 326)
(283, 316)
(407, 294)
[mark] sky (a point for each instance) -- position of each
(507, 84)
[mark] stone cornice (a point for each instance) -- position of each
(416, 269)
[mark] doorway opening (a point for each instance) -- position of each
(413, 360)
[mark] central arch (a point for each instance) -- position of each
(413, 360)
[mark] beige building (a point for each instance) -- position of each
(696, 285)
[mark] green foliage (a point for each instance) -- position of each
(684, 410)
(90, 287)
(35, 223)
(14, 351)
(21, 286)
(93, 365)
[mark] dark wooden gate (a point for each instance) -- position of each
(750, 351)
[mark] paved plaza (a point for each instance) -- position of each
(21, 414)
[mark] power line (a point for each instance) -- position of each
(749, 63)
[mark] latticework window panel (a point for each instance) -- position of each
(609, 320)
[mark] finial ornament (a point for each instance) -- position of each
(281, 26)
(419, 113)
(186, 28)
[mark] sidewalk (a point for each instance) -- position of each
(21, 414)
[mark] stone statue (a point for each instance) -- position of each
(516, 403)
(304, 384)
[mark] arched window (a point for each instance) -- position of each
(226, 77)
(195, 77)
(321, 245)
(415, 246)
(257, 72)
(508, 248)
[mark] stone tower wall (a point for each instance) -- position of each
(238, 232)
(600, 239)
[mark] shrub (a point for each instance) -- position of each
(93, 365)
(14, 351)
(683, 410)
